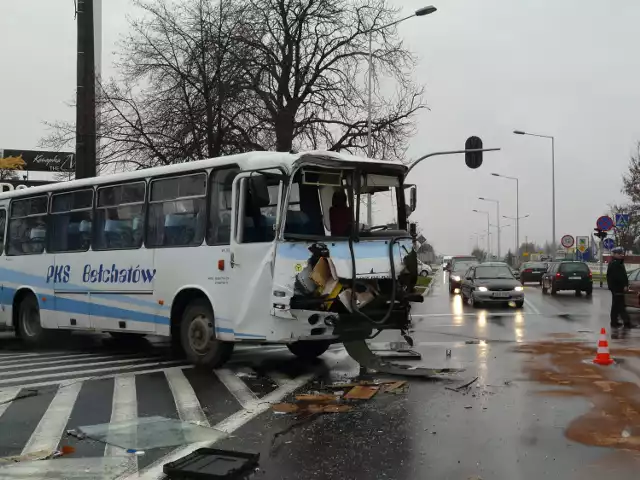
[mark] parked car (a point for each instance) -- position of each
(424, 270)
(457, 272)
(531, 272)
(632, 295)
(491, 282)
(567, 276)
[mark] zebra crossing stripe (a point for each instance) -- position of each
(95, 370)
(72, 360)
(92, 364)
(236, 386)
(229, 425)
(47, 434)
(18, 359)
(187, 403)
(124, 408)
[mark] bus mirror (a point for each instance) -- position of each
(473, 159)
(413, 230)
(413, 198)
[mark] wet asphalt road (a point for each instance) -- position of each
(505, 426)
(502, 429)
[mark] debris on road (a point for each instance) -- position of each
(396, 387)
(317, 398)
(468, 406)
(145, 433)
(212, 463)
(361, 393)
(462, 387)
(472, 342)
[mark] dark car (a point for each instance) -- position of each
(574, 276)
(491, 283)
(456, 274)
(532, 272)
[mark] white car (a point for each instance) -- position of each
(424, 270)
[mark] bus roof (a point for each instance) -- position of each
(246, 161)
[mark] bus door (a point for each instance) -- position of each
(256, 213)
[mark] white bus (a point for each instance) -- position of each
(262, 247)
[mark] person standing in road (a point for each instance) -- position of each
(618, 283)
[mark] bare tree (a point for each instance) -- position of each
(180, 96)
(200, 79)
(308, 67)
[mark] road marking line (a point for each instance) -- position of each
(71, 360)
(95, 370)
(92, 364)
(96, 377)
(6, 397)
(124, 407)
(187, 403)
(229, 425)
(47, 434)
(532, 306)
(237, 387)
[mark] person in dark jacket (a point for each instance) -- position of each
(618, 282)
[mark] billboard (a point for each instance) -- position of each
(40, 161)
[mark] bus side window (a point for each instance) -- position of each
(70, 221)
(120, 217)
(177, 207)
(219, 224)
(3, 224)
(28, 226)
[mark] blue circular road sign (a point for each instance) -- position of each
(608, 243)
(604, 223)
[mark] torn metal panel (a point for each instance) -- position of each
(360, 351)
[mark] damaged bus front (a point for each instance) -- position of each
(346, 272)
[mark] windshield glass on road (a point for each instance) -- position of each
(493, 272)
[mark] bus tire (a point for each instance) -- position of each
(30, 328)
(198, 336)
(309, 349)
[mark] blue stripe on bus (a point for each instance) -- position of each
(69, 305)
(14, 276)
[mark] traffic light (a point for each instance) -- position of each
(601, 234)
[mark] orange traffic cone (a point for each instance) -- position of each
(603, 357)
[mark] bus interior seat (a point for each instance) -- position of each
(179, 229)
(117, 233)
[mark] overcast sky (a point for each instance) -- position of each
(567, 68)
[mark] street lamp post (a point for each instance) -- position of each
(421, 12)
(517, 220)
(497, 216)
(553, 181)
(517, 209)
(500, 228)
(488, 230)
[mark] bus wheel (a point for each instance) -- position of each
(309, 349)
(29, 325)
(198, 335)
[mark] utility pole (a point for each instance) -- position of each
(86, 121)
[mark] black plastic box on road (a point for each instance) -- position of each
(212, 464)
